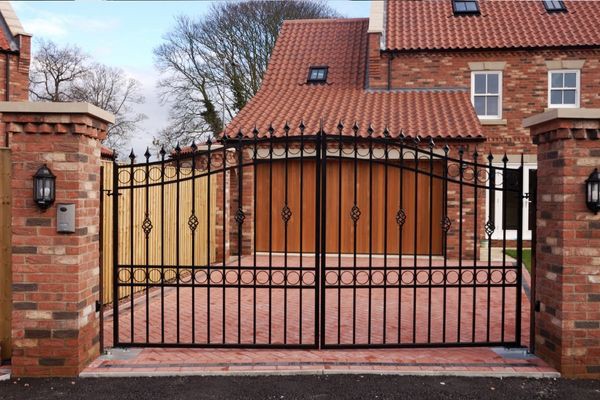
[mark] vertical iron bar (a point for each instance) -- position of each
(193, 266)
(475, 239)
(518, 316)
(208, 235)
(504, 194)
(339, 272)
(323, 283)
(285, 235)
(240, 185)
(460, 239)
(370, 282)
(254, 221)
(271, 131)
(147, 243)
(115, 255)
(385, 233)
(225, 241)
(491, 208)
(101, 261)
(430, 279)
(355, 221)
(318, 307)
(400, 236)
(415, 241)
(131, 247)
(162, 245)
(446, 226)
(177, 234)
(301, 244)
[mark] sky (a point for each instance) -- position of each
(123, 34)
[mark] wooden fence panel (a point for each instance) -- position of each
(5, 254)
(162, 247)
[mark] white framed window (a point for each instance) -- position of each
(563, 88)
(486, 94)
(500, 202)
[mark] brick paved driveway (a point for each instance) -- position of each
(387, 312)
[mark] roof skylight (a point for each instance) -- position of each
(317, 74)
(554, 5)
(465, 7)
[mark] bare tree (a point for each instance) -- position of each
(213, 66)
(110, 89)
(60, 74)
(54, 69)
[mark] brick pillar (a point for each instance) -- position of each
(55, 276)
(567, 333)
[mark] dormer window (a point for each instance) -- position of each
(317, 74)
(465, 7)
(554, 6)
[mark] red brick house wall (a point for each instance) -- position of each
(524, 82)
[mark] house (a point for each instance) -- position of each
(465, 73)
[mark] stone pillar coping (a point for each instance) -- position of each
(29, 107)
(561, 113)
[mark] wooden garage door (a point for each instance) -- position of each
(371, 200)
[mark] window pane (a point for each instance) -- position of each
(460, 6)
(492, 83)
(568, 97)
(556, 97)
(479, 83)
(557, 79)
(492, 105)
(471, 6)
(480, 105)
(571, 80)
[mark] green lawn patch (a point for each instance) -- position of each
(526, 256)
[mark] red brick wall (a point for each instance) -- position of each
(55, 276)
(568, 249)
(524, 83)
(18, 72)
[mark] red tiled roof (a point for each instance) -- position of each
(105, 152)
(341, 45)
(431, 24)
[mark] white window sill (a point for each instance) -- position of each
(493, 121)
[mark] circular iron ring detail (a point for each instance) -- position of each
(125, 276)
(329, 280)
(463, 277)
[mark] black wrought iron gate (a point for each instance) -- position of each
(318, 241)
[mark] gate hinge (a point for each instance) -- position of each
(98, 306)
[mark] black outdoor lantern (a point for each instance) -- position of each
(44, 187)
(592, 191)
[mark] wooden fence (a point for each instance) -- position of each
(5, 254)
(162, 248)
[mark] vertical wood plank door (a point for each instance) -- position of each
(377, 227)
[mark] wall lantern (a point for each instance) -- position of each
(592, 191)
(44, 187)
